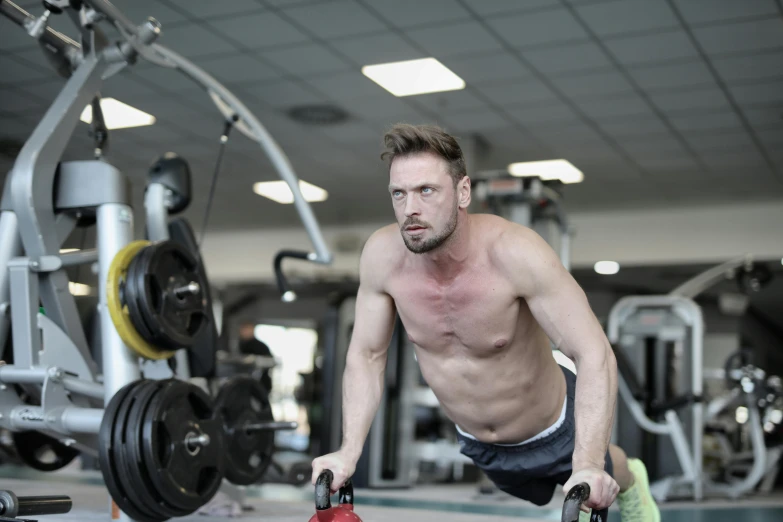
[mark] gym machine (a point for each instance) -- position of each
(659, 346)
(530, 202)
(153, 294)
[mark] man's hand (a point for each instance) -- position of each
(603, 488)
(341, 466)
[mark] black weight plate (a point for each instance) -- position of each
(141, 275)
(138, 474)
(33, 447)
(120, 450)
(185, 478)
(175, 319)
(106, 457)
(132, 296)
(243, 401)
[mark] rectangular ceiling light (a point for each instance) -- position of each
(118, 115)
(280, 191)
(547, 170)
(79, 289)
(414, 77)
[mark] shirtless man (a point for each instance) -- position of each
(484, 300)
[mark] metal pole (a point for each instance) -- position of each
(10, 247)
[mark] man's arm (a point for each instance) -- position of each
(366, 360)
(560, 306)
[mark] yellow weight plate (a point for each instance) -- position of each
(119, 313)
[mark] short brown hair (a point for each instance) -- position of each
(404, 139)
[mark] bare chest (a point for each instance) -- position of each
(478, 311)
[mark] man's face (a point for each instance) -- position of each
(425, 200)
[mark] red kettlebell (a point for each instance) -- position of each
(324, 512)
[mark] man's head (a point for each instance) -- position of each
(428, 184)
(246, 331)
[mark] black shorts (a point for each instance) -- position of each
(531, 471)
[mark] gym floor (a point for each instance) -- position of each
(280, 503)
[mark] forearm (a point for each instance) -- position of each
(362, 391)
(594, 405)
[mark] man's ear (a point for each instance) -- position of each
(464, 192)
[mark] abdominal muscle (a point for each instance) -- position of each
(506, 398)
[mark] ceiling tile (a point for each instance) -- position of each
(164, 79)
(634, 127)
(767, 93)
(617, 107)
(15, 70)
(654, 145)
(15, 101)
(282, 94)
(346, 86)
(209, 8)
(538, 28)
(568, 58)
(756, 67)
(457, 39)
(307, 60)
(764, 117)
(336, 19)
(192, 41)
(256, 31)
(529, 91)
(700, 11)
(384, 109)
(550, 113)
(743, 36)
(496, 7)
(488, 68)
(444, 102)
(653, 48)
(593, 85)
(746, 159)
(408, 13)
(704, 142)
(572, 133)
(377, 48)
(238, 68)
(674, 76)
(138, 12)
(607, 19)
(127, 88)
(475, 121)
(15, 38)
(705, 121)
(704, 98)
(772, 138)
(667, 163)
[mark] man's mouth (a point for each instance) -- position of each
(413, 228)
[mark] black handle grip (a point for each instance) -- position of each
(282, 283)
(573, 501)
(323, 491)
(12, 506)
(46, 505)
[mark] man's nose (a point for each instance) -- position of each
(412, 206)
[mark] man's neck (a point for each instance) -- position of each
(447, 262)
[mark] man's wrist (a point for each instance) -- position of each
(587, 463)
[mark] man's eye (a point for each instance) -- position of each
(426, 190)
(397, 193)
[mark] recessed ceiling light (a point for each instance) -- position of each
(547, 170)
(118, 115)
(280, 191)
(410, 77)
(68, 250)
(607, 267)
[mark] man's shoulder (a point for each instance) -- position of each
(382, 249)
(509, 244)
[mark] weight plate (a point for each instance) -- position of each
(42, 452)
(141, 275)
(106, 457)
(132, 293)
(120, 449)
(186, 476)
(175, 318)
(243, 401)
(119, 313)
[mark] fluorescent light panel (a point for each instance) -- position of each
(559, 169)
(79, 289)
(607, 267)
(412, 77)
(280, 191)
(118, 115)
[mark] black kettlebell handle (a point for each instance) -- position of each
(323, 491)
(577, 496)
